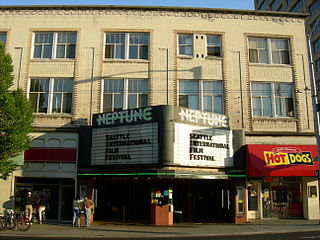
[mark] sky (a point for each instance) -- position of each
(232, 4)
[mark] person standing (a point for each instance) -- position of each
(87, 203)
(41, 209)
(29, 207)
(76, 208)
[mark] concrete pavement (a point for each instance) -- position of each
(118, 230)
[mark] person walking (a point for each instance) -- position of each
(29, 207)
(76, 208)
(87, 203)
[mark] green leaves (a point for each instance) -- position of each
(15, 117)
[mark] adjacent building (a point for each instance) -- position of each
(310, 7)
(206, 110)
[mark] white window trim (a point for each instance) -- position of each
(201, 92)
(54, 44)
(273, 101)
(269, 51)
(178, 46)
(125, 91)
(50, 93)
(126, 46)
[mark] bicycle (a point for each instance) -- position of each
(12, 221)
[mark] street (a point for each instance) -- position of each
(278, 236)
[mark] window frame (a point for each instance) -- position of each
(270, 51)
(54, 45)
(126, 45)
(50, 95)
(201, 94)
(273, 100)
(185, 45)
(214, 46)
(125, 94)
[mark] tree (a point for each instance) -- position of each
(15, 117)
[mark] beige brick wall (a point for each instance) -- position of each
(89, 67)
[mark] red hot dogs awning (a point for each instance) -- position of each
(281, 160)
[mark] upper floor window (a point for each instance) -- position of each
(51, 95)
(269, 50)
(214, 45)
(297, 7)
(315, 26)
(3, 37)
(272, 99)
(317, 65)
(185, 44)
(314, 6)
(275, 4)
(201, 94)
(316, 46)
(127, 45)
(54, 45)
(119, 94)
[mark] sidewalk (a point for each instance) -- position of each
(114, 230)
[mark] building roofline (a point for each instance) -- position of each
(154, 8)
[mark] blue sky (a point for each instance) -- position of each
(233, 4)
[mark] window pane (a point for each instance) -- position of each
(67, 104)
(253, 55)
(183, 100)
(207, 104)
(267, 109)
(256, 105)
(71, 51)
(3, 37)
(43, 103)
(47, 51)
(60, 51)
(109, 51)
(143, 100)
(118, 102)
(37, 51)
(185, 50)
(133, 52)
(119, 51)
(144, 52)
(33, 97)
(107, 102)
(193, 102)
(218, 105)
(263, 56)
(56, 103)
(132, 101)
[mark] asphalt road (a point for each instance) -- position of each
(279, 236)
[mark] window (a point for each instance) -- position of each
(202, 94)
(297, 7)
(314, 6)
(315, 26)
(54, 45)
(275, 4)
(269, 50)
(272, 99)
(185, 43)
(3, 37)
(214, 45)
(51, 95)
(127, 46)
(317, 65)
(119, 94)
(316, 46)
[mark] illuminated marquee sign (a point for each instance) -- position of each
(207, 118)
(202, 146)
(287, 156)
(130, 144)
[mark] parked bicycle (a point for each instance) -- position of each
(11, 221)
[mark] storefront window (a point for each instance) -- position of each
(281, 198)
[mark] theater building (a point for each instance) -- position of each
(146, 105)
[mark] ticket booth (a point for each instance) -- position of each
(161, 207)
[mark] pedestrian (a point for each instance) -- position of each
(41, 209)
(87, 203)
(76, 208)
(29, 207)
